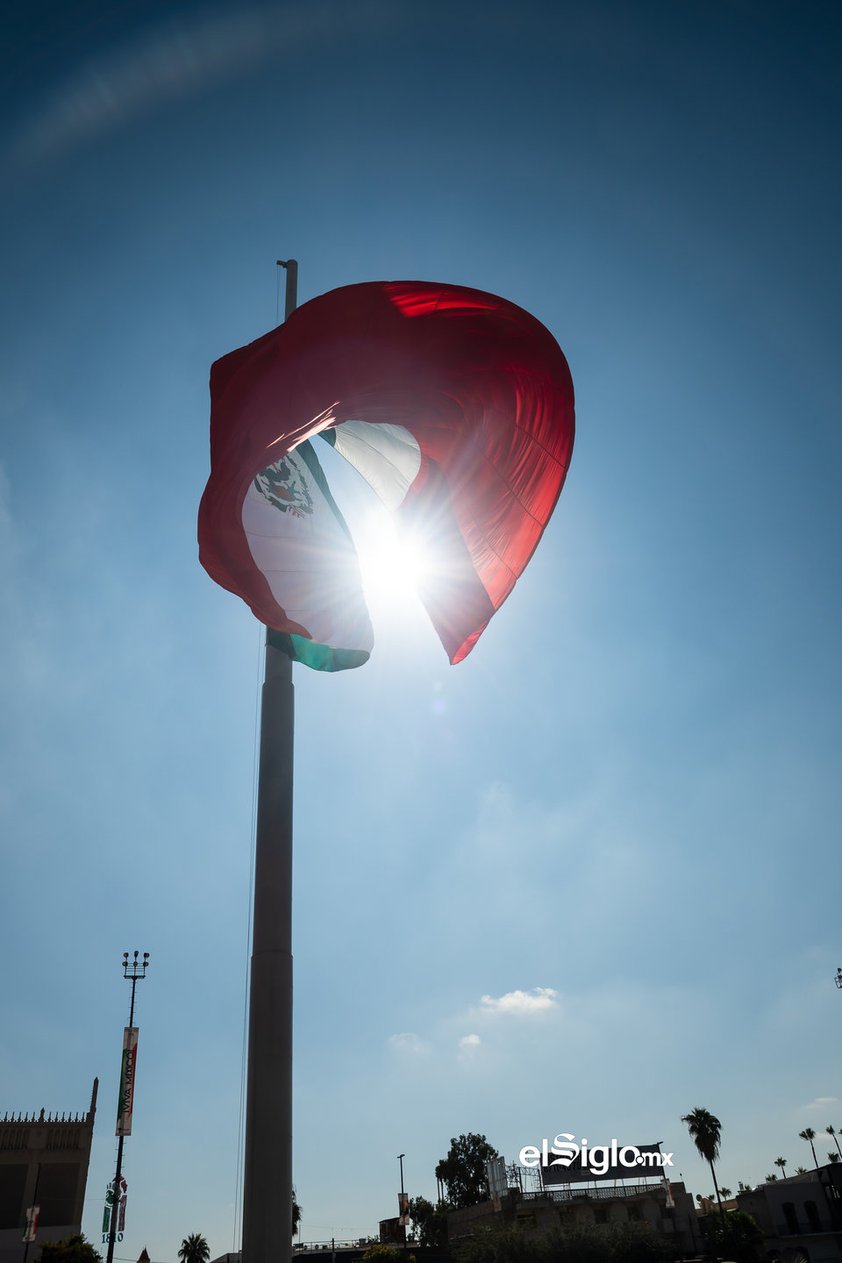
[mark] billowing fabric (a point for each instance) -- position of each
(455, 405)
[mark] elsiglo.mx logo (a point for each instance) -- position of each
(563, 1151)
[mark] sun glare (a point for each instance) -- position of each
(391, 565)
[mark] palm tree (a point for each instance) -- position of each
(809, 1134)
(831, 1131)
(706, 1131)
(781, 1162)
(832, 1156)
(726, 1192)
(194, 1249)
(800, 1170)
(771, 1179)
(296, 1214)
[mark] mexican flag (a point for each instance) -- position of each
(455, 406)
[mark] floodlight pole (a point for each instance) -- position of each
(267, 1174)
(134, 971)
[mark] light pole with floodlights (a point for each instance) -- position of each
(134, 970)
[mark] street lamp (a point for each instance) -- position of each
(134, 970)
(404, 1209)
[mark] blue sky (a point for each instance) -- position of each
(606, 845)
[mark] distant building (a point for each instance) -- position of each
(43, 1162)
(392, 1231)
(596, 1207)
(800, 1217)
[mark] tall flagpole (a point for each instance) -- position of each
(267, 1177)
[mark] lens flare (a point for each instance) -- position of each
(392, 564)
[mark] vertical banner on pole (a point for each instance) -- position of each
(31, 1228)
(116, 1207)
(106, 1211)
(125, 1101)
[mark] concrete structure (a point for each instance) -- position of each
(598, 1206)
(800, 1217)
(43, 1161)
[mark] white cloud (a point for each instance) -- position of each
(821, 1103)
(408, 1042)
(470, 1041)
(538, 1000)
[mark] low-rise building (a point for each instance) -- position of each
(43, 1162)
(667, 1209)
(800, 1216)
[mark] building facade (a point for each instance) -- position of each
(800, 1217)
(43, 1162)
(668, 1212)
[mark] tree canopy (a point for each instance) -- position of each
(809, 1134)
(627, 1243)
(463, 1170)
(733, 1236)
(430, 1221)
(706, 1129)
(194, 1249)
(70, 1250)
(382, 1253)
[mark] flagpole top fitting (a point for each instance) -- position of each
(290, 266)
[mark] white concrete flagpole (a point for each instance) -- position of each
(267, 1176)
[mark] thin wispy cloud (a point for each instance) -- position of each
(538, 1000)
(179, 58)
(821, 1103)
(470, 1041)
(407, 1042)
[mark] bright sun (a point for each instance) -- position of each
(391, 566)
